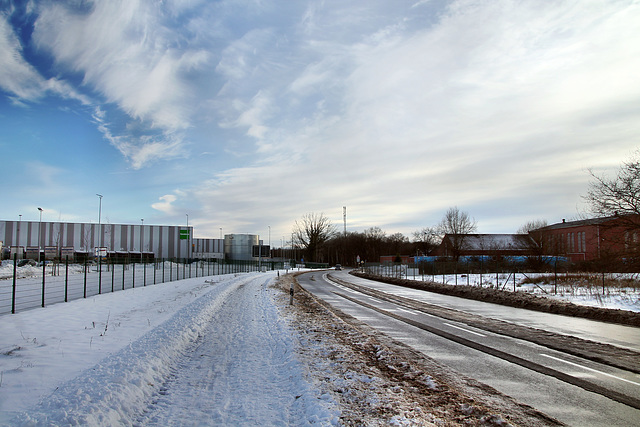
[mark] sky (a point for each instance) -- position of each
(246, 115)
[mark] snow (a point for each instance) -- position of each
(616, 296)
(214, 349)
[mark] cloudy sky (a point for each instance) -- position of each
(248, 114)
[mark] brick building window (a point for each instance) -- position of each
(582, 241)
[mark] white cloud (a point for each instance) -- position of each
(16, 75)
(124, 51)
(165, 204)
(20, 78)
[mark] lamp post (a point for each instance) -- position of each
(39, 232)
(188, 238)
(18, 242)
(141, 234)
(269, 241)
(100, 220)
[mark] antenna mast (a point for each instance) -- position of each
(344, 218)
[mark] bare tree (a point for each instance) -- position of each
(375, 239)
(619, 195)
(457, 224)
(426, 239)
(533, 225)
(396, 245)
(531, 228)
(312, 232)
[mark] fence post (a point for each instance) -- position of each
(123, 264)
(85, 277)
(66, 278)
(113, 276)
(555, 276)
(291, 294)
(133, 270)
(44, 271)
(13, 294)
(144, 274)
(99, 275)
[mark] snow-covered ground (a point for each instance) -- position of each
(213, 349)
(223, 350)
(578, 290)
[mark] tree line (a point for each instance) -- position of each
(319, 240)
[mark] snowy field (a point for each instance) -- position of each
(171, 354)
(621, 291)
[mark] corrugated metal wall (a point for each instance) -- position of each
(163, 241)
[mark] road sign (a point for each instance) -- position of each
(184, 234)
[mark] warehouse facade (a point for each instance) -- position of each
(26, 237)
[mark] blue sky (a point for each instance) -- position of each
(246, 115)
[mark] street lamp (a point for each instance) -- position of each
(39, 232)
(100, 220)
(18, 242)
(188, 238)
(141, 233)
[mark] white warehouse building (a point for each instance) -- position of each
(163, 241)
(56, 238)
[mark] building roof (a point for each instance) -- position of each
(484, 242)
(578, 223)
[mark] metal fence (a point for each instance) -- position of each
(62, 282)
(557, 278)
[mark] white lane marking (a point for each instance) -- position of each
(463, 329)
(405, 311)
(589, 369)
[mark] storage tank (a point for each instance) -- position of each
(238, 247)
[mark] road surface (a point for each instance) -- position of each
(570, 388)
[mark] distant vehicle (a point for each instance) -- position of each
(338, 267)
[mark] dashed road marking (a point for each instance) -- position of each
(589, 369)
(463, 329)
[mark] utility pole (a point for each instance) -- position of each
(39, 232)
(100, 220)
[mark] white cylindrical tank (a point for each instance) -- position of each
(239, 246)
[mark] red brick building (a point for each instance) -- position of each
(591, 239)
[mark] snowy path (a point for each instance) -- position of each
(245, 374)
(227, 357)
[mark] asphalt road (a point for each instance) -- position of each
(573, 390)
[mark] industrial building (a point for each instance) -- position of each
(49, 240)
